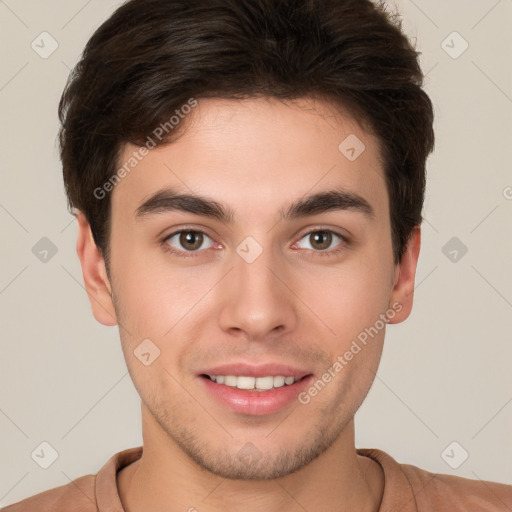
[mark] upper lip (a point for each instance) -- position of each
(251, 370)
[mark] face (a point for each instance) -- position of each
(254, 246)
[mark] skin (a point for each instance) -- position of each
(295, 304)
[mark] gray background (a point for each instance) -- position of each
(445, 374)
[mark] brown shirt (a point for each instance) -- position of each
(407, 488)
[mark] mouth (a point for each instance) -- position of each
(250, 383)
(265, 392)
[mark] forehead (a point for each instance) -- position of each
(258, 155)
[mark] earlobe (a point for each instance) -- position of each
(405, 272)
(97, 284)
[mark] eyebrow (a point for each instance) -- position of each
(168, 199)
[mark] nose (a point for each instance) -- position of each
(256, 298)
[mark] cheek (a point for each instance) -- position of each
(155, 295)
(347, 298)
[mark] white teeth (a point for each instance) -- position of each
(279, 381)
(230, 380)
(253, 383)
(265, 382)
(245, 382)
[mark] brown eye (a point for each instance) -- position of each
(323, 240)
(189, 241)
(320, 240)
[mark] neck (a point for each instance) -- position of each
(165, 478)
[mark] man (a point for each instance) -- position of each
(248, 179)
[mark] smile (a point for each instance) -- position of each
(251, 395)
(253, 383)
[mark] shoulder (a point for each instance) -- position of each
(76, 496)
(419, 490)
(457, 493)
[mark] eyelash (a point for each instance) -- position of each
(193, 254)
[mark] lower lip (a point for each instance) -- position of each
(256, 403)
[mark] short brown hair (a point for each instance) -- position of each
(151, 56)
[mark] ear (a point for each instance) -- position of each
(97, 284)
(403, 282)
